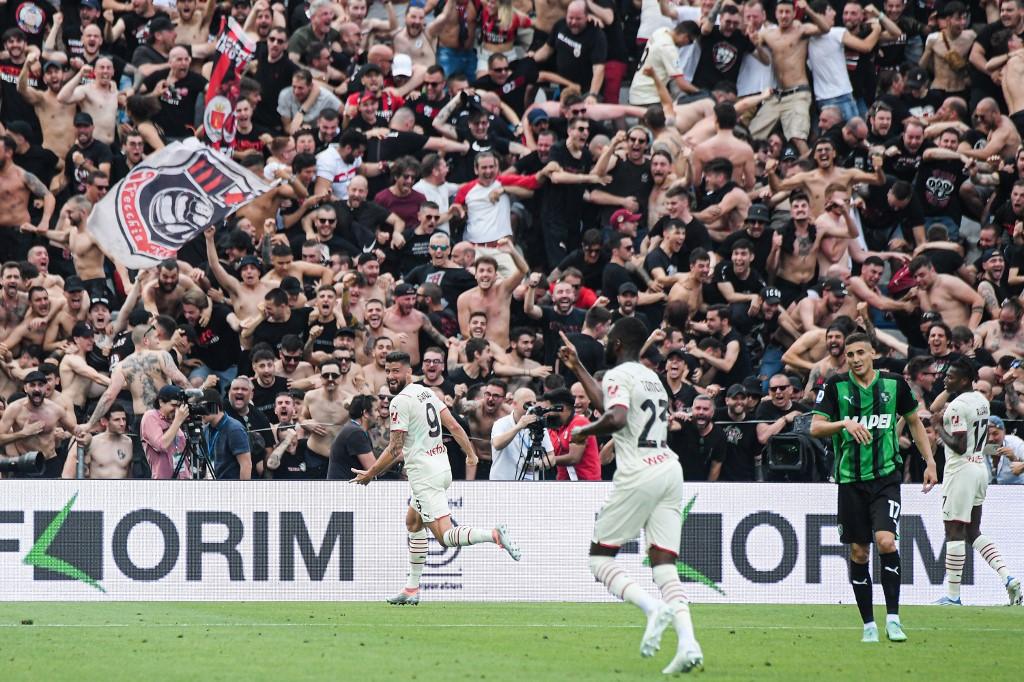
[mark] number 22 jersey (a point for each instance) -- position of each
(416, 410)
(642, 443)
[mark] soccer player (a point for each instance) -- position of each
(859, 411)
(964, 431)
(416, 420)
(648, 490)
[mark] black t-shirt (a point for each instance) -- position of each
(590, 352)
(938, 186)
(696, 235)
(512, 92)
(395, 144)
(12, 105)
(292, 466)
(552, 322)
(762, 247)
(615, 276)
(415, 252)
(273, 332)
(350, 442)
(904, 163)
(136, 30)
(697, 452)
(720, 57)
(77, 176)
(767, 411)
(178, 103)
(742, 447)
(462, 164)
(946, 262)
(217, 344)
(880, 219)
(39, 161)
(460, 376)
(273, 78)
(359, 225)
(751, 285)
(263, 398)
(628, 180)
(591, 271)
(575, 55)
(741, 369)
(563, 204)
(453, 281)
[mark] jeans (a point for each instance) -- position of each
(845, 103)
(771, 364)
(457, 61)
(952, 226)
(224, 377)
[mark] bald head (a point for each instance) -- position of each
(523, 397)
(576, 16)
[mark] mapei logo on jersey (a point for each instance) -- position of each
(875, 421)
(78, 546)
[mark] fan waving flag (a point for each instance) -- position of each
(167, 200)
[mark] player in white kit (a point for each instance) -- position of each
(417, 416)
(964, 430)
(648, 490)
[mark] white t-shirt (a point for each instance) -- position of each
(827, 59)
(1004, 476)
(441, 195)
(754, 76)
(643, 442)
(651, 19)
(330, 166)
(662, 54)
(507, 463)
(967, 413)
(417, 411)
(689, 55)
(487, 221)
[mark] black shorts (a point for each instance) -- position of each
(866, 507)
(1018, 121)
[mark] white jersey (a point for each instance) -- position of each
(330, 166)
(643, 442)
(967, 413)
(417, 411)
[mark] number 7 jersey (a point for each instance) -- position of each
(643, 442)
(967, 413)
(416, 410)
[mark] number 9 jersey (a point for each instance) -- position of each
(643, 442)
(416, 410)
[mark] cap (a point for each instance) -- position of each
(536, 115)
(160, 22)
(835, 285)
(758, 213)
(291, 285)
(52, 65)
(559, 396)
(405, 289)
(753, 386)
(368, 95)
(623, 216)
(628, 288)
(34, 376)
(990, 253)
(82, 119)
(346, 331)
(20, 128)
(73, 284)
(917, 78)
(771, 295)
(92, 4)
(81, 329)
(401, 65)
(250, 260)
(676, 353)
(99, 301)
(170, 392)
(993, 420)
(735, 390)
(789, 153)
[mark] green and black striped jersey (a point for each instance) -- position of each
(877, 407)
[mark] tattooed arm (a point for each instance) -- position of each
(117, 384)
(395, 446)
(172, 371)
(40, 191)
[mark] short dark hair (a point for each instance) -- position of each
(276, 296)
(399, 356)
(920, 262)
(360, 405)
(630, 332)
(859, 337)
(474, 347)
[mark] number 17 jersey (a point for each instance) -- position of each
(643, 442)
(416, 410)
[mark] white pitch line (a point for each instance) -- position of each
(582, 626)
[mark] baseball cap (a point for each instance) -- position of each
(81, 329)
(405, 289)
(789, 153)
(92, 4)
(753, 386)
(170, 392)
(401, 65)
(758, 213)
(622, 216)
(771, 295)
(917, 78)
(73, 284)
(835, 285)
(536, 115)
(291, 285)
(735, 390)
(82, 119)
(250, 260)
(628, 288)
(347, 331)
(34, 376)
(990, 253)
(20, 128)
(99, 301)
(160, 22)
(997, 422)
(676, 353)
(52, 65)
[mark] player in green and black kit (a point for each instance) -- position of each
(859, 411)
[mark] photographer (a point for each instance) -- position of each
(160, 431)
(226, 440)
(511, 438)
(575, 462)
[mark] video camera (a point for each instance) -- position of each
(197, 406)
(30, 464)
(546, 417)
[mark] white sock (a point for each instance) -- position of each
(990, 553)
(892, 618)
(608, 573)
(418, 542)
(869, 625)
(956, 555)
(462, 536)
(672, 593)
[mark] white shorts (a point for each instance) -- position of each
(963, 491)
(430, 497)
(654, 503)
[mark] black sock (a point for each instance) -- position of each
(891, 582)
(860, 579)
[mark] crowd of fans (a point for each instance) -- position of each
(467, 181)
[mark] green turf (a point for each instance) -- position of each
(521, 641)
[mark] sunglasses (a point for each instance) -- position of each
(437, 247)
(501, 69)
(777, 388)
(329, 375)
(343, 359)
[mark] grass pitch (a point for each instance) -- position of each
(458, 641)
